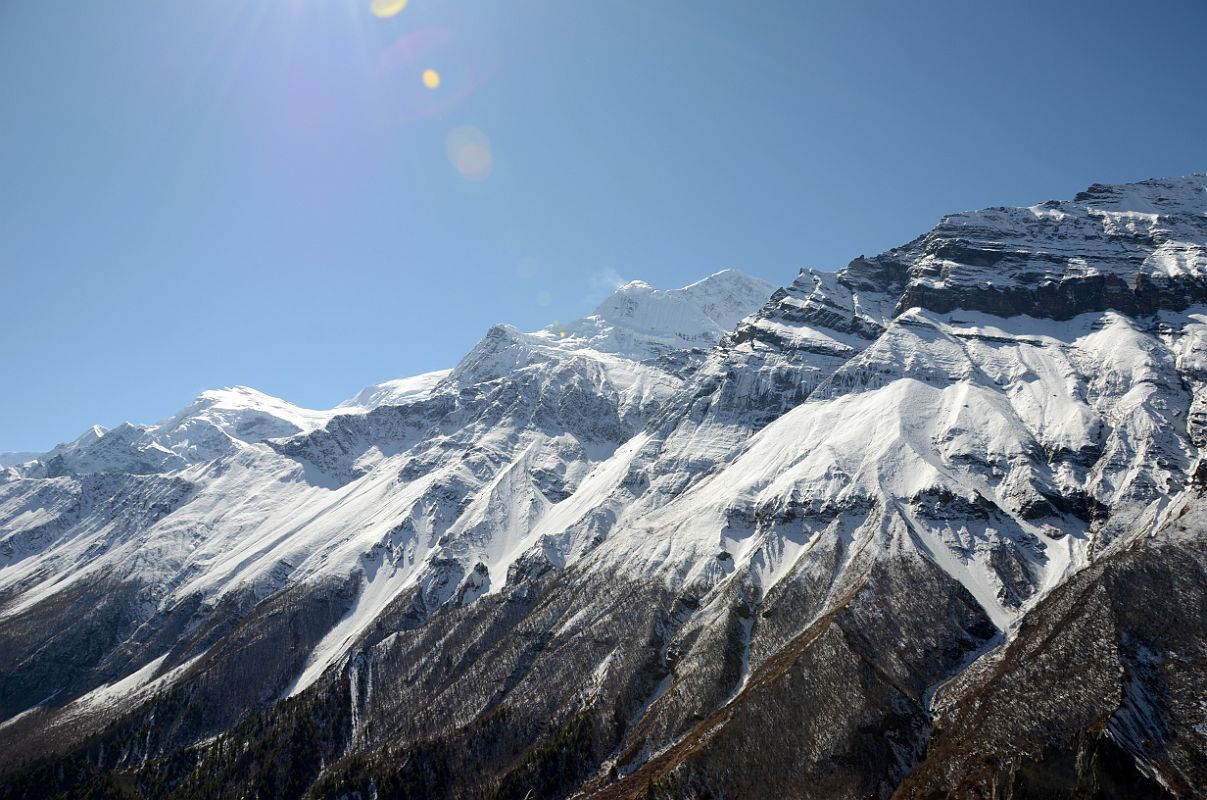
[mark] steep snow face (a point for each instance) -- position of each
(993, 446)
(771, 363)
(536, 418)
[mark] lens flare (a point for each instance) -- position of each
(468, 150)
(387, 8)
(544, 298)
(404, 86)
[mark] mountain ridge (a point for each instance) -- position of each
(280, 418)
(605, 562)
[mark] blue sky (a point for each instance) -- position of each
(264, 192)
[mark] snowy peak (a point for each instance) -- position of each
(725, 296)
(215, 423)
(717, 303)
(89, 436)
(636, 323)
(640, 322)
(85, 439)
(219, 420)
(394, 392)
(502, 350)
(242, 412)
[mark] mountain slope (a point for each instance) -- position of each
(266, 516)
(717, 541)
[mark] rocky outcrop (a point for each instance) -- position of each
(1135, 249)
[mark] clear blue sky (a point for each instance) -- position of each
(200, 194)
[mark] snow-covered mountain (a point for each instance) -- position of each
(838, 519)
(217, 422)
(640, 322)
(393, 393)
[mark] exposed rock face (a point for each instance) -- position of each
(927, 527)
(1136, 249)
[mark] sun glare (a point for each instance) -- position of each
(387, 8)
(431, 78)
